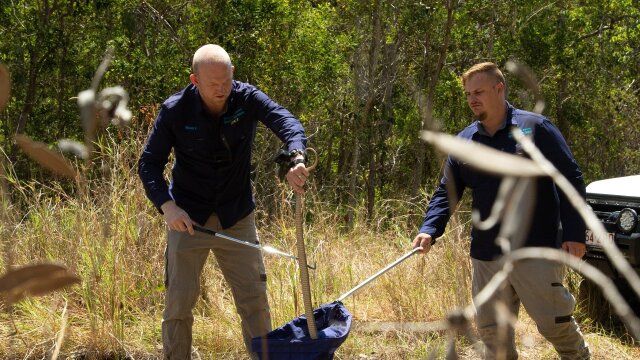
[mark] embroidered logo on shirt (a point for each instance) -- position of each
(233, 118)
(190, 128)
(525, 132)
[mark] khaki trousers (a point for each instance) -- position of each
(242, 267)
(537, 284)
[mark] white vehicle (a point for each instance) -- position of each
(616, 202)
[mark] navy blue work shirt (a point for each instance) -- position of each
(551, 207)
(211, 172)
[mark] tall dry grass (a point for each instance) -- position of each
(108, 233)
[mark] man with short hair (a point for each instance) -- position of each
(536, 283)
(211, 125)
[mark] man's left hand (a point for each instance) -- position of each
(575, 248)
(297, 176)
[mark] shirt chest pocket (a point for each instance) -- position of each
(195, 143)
(237, 134)
(470, 177)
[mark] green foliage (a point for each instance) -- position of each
(353, 72)
(350, 70)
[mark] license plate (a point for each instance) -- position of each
(592, 240)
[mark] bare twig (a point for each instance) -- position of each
(518, 215)
(589, 271)
(155, 14)
(535, 13)
(482, 157)
(102, 69)
(498, 209)
(61, 333)
(529, 79)
(592, 222)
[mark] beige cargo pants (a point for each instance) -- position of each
(537, 284)
(242, 267)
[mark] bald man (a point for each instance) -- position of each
(211, 125)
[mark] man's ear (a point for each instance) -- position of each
(194, 79)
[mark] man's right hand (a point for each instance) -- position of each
(297, 176)
(176, 218)
(423, 240)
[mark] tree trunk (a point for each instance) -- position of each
(426, 111)
(426, 104)
(355, 159)
(371, 183)
(561, 118)
(372, 129)
(31, 93)
(367, 82)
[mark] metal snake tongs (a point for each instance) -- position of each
(302, 260)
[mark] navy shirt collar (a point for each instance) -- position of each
(199, 104)
(508, 115)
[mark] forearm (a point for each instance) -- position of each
(153, 182)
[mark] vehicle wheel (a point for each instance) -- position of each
(592, 304)
(594, 308)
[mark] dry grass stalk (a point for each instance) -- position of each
(34, 280)
(74, 147)
(47, 158)
(518, 197)
(527, 76)
(591, 220)
(609, 289)
(61, 333)
(482, 157)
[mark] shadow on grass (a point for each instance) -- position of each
(596, 313)
(95, 355)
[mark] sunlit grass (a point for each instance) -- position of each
(108, 233)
